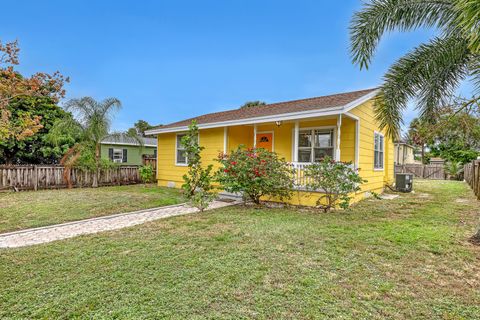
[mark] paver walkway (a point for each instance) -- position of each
(55, 232)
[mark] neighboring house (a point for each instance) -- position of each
(126, 150)
(404, 153)
(438, 161)
(342, 126)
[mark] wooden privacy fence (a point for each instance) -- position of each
(150, 160)
(471, 173)
(33, 177)
(424, 171)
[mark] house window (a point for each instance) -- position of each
(181, 156)
(378, 151)
(119, 155)
(315, 144)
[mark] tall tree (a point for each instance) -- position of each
(456, 136)
(14, 86)
(419, 134)
(139, 128)
(93, 125)
(433, 70)
(34, 148)
(250, 104)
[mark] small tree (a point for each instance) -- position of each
(146, 174)
(198, 187)
(335, 180)
(255, 173)
(454, 169)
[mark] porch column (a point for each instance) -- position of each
(295, 141)
(339, 126)
(255, 135)
(357, 143)
(225, 139)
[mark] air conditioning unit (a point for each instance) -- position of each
(117, 160)
(404, 182)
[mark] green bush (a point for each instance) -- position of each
(198, 188)
(255, 173)
(147, 173)
(335, 180)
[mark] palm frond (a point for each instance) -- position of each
(475, 73)
(63, 126)
(109, 105)
(433, 71)
(118, 136)
(469, 20)
(381, 16)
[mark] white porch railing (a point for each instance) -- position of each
(298, 173)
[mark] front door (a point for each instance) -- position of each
(265, 140)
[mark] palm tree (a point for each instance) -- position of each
(433, 70)
(92, 124)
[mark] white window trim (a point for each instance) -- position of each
(121, 155)
(176, 150)
(273, 137)
(334, 128)
(383, 151)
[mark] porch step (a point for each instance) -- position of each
(229, 196)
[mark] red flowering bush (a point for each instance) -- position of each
(255, 173)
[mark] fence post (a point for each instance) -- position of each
(35, 178)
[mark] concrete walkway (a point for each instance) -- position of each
(56, 232)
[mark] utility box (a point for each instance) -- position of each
(404, 182)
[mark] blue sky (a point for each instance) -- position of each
(169, 60)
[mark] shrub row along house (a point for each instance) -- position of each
(341, 126)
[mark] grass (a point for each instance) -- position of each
(34, 209)
(406, 258)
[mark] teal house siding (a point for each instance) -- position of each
(132, 154)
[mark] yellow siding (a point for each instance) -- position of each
(170, 174)
(167, 171)
(239, 135)
(376, 178)
(213, 140)
(347, 140)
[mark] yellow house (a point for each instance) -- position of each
(302, 131)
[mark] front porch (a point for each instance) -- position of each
(301, 142)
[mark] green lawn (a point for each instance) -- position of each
(407, 258)
(34, 209)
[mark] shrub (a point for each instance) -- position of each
(146, 173)
(454, 169)
(198, 189)
(255, 173)
(335, 180)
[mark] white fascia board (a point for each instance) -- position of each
(128, 144)
(272, 118)
(256, 120)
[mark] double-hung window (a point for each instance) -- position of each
(181, 156)
(315, 144)
(379, 145)
(117, 155)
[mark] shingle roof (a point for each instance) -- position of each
(317, 103)
(126, 140)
